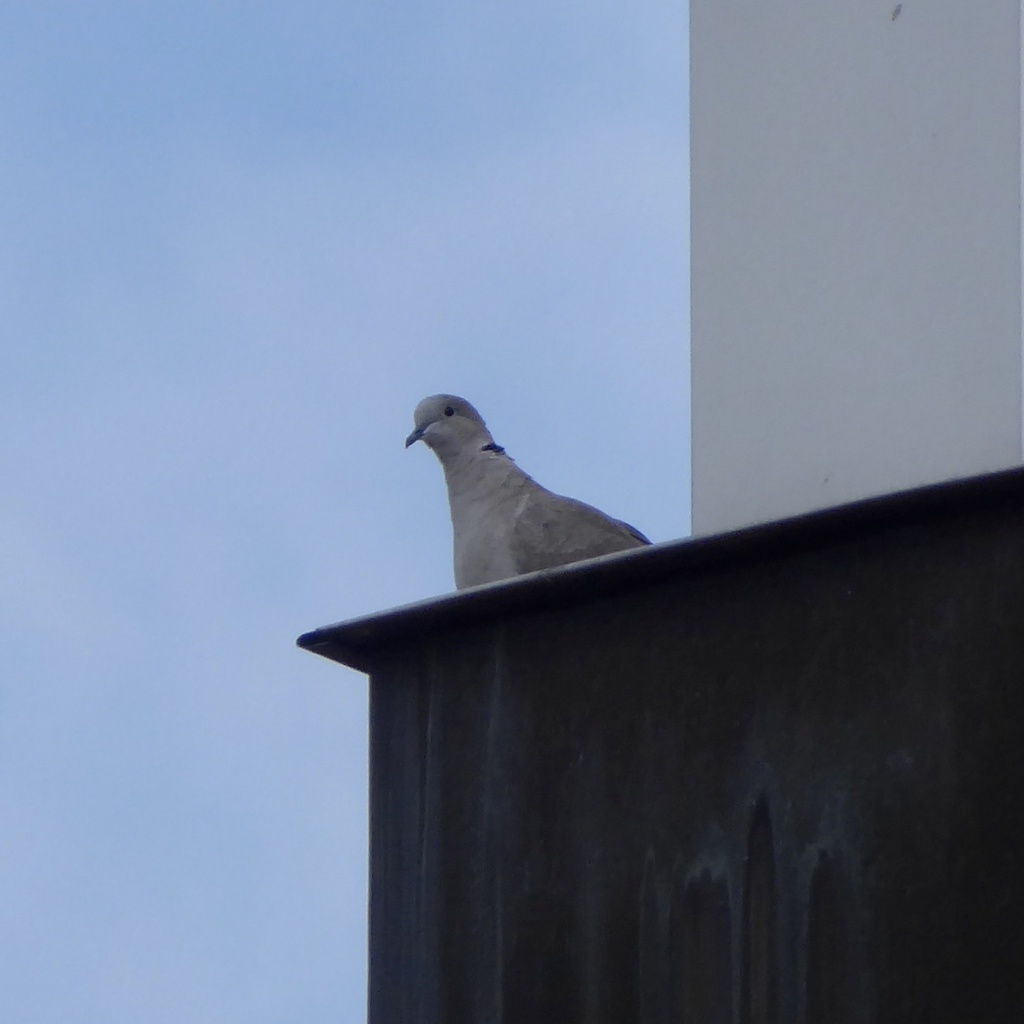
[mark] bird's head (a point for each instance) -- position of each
(449, 425)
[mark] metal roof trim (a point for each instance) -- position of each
(360, 643)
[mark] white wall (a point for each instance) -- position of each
(856, 249)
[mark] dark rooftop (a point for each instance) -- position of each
(358, 642)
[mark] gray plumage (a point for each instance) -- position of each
(503, 522)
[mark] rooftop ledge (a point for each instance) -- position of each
(360, 642)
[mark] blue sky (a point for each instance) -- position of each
(238, 243)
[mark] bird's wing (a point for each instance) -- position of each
(551, 530)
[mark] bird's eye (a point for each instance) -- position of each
(449, 411)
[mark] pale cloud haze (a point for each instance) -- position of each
(238, 243)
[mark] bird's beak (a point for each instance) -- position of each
(416, 435)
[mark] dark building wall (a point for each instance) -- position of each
(768, 777)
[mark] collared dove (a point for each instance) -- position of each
(504, 523)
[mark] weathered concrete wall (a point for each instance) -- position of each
(773, 776)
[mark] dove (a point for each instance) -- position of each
(503, 522)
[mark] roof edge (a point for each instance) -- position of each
(358, 642)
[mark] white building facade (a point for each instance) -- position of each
(856, 250)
